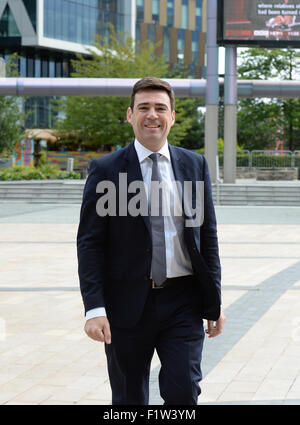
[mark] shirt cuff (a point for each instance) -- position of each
(95, 312)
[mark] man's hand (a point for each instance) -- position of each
(215, 328)
(98, 329)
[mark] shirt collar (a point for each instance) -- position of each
(143, 152)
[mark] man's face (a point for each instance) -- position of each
(151, 118)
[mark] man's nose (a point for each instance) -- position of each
(152, 114)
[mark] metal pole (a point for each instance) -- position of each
(230, 115)
(91, 87)
(212, 89)
(123, 86)
(2, 68)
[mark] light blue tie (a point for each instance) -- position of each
(159, 265)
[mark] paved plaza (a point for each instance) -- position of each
(46, 358)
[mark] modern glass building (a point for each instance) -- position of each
(47, 34)
(180, 26)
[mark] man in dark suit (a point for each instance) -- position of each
(150, 275)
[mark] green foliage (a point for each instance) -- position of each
(10, 127)
(10, 115)
(46, 171)
(102, 120)
(263, 121)
(261, 64)
(193, 137)
(99, 121)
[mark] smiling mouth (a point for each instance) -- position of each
(152, 126)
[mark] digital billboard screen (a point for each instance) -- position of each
(273, 23)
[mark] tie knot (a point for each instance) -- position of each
(154, 157)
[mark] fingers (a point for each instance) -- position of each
(98, 329)
(107, 334)
(211, 329)
(215, 328)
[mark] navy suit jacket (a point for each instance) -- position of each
(114, 252)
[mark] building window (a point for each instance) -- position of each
(30, 67)
(140, 10)
(180, 45)
(170, 13)
(151, 33)
(58, 69)
(30, 6)
(23, 66)
(166, 43)
(199, 15)
(37, 68)
(72, 30)
(195, 47)
(8, 26)
(51, 68)
(137, 32)
(45, 68)
(185, 14)
(155, 11)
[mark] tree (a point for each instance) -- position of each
(10, 115)
(100, 121)
(263, 121)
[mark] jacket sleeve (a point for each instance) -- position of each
(209, 238)
(91, 243)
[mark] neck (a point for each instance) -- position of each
(152, 146)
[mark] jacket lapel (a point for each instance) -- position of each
(133, 170)
(181, 173)
(184, 173)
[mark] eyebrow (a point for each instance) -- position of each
(156, 104)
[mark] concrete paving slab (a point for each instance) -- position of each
(46, 358)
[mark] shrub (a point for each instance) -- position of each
(46, 171)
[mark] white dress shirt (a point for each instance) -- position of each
(177, 257)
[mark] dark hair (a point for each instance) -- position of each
(153, 83)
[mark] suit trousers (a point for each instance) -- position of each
(171, 325)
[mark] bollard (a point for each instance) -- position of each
(83, 173)
(70, 165)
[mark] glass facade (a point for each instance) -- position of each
(39, 111)
(79, 21)
(179, 45)
(8, 26)
(41, 64)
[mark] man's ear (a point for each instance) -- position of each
(129, 114)
(173, 118)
